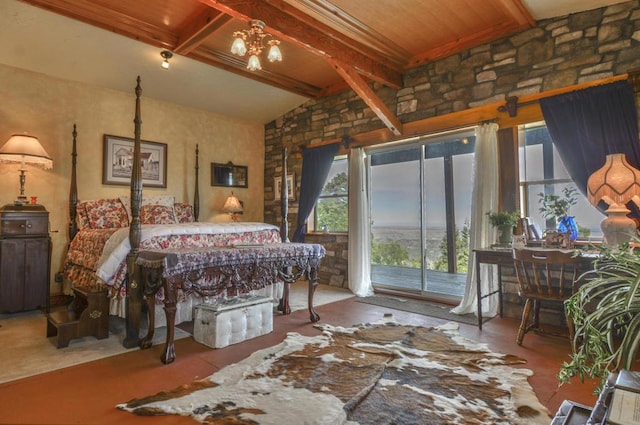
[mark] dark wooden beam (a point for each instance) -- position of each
(197, 30)
(318, 39)
(100, 16)
(364, 91)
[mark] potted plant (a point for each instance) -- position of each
(504, 221)
(556, 207)
(606, 314)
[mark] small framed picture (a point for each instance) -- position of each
(117, 161)
(229, 175)
(291, 187)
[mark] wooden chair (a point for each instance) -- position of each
(544, 275)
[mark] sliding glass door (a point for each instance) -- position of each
(420, 211)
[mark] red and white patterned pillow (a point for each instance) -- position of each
(82, 219)
(165, 200)
(157, 214)
(106, 214)
(184, 213)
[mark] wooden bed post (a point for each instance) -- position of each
(196, 195)
(73, 191)
(284, 196)
(133, 297)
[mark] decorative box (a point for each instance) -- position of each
(233, 320)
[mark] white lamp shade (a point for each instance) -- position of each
(254, 63)
(274, 54)
(232, 205)
(617, 182)
(25, 149)
(238, 47)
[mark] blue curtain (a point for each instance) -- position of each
(316, 164)
(586, 125)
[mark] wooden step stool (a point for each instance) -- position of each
(87, 315)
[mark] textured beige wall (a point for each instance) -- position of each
(47, 108)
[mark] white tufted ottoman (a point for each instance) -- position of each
(232, 321)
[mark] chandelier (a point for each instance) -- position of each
(251, 41)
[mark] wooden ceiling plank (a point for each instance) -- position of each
(373, 39)
(197, 30)
(238, 66)
(368, 96)
(447, 49)
(517, 11)
(110, 20)
(288, 28)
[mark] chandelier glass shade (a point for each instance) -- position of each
(252, 41)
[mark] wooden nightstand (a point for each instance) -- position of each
(25, 258)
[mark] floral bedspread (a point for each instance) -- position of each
(89, 263)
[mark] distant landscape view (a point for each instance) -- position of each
(409, 238)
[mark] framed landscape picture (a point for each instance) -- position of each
(117, 161)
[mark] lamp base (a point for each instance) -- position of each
(617, 228)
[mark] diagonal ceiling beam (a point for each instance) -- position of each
(318, 38)
(364, 91)
(354, 28)
(197, 30)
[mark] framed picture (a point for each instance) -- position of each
(117, 162)
(291, 186)
(229, 175)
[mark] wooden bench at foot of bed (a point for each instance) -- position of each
(211, 270)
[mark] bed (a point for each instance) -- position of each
(106, 236)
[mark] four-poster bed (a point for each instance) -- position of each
(157, 224)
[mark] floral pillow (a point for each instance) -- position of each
(157, 214)
(106, 214)
(184, 213)
(165, 200)
(82, 219)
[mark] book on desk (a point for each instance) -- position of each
(624, 408)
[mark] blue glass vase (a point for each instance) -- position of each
(568, 224)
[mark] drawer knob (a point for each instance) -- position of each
(28, 226)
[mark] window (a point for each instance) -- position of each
(542, 171)
(331, 212)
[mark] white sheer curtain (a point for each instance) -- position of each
(482, 234)
(359, 272)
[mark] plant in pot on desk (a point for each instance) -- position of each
(556, 207)
(505, 222)
(606, 314)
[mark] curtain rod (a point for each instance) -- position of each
(512, 105)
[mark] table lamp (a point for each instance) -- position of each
(616, 183)
(233, 206)
(25, 149)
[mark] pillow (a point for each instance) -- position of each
(184, 213)
(106, 214)
(165, 200)
(82, 219)
(157, 214)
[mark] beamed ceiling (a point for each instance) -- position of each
(327, 45)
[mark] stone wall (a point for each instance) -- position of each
(556, 53)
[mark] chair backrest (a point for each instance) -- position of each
(546, 273)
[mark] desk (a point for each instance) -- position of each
(500, 257)
(238, 268)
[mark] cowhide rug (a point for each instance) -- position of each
(370, 374)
